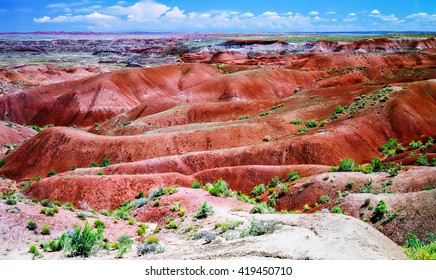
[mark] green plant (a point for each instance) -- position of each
(10, 201)
(45, 230)
(101, 173)
(324, 199)
(339, 109)
(142, 229)
(34, 250)
(274, 182)
(323, 123)
(367, 188)
(171, 223)
(303, 129)
(345, 165)
(140, 195)
(388, 145)
(258, 190)
(196, 185)
(414, 145)
(69, 206)
(259, 208)
(125, 244)
(203, 211)
(311, 123)
(292, 176)
(82, 242)
(52, 173)
(262, 114)
(99, 224)
(219, 188)
(422, 161)
(306, 207)
(31, 225)
(296, 121)
(46, 203)
(2, 162)
(337, 210)
(379, 211)
(376, 165)
(258, 227)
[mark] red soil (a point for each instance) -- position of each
(176, 124)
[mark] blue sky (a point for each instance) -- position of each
(217, 16)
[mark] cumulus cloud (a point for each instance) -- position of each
(139, 11)
(352, 14)
(313, 13)
(175, 13)
(90, 18)
(423, 17)
(375, 12)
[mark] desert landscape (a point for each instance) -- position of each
(217, 146)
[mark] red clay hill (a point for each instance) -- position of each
(246, 118)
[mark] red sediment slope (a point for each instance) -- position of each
(269, 140)
(84, 102)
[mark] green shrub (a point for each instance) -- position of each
(323, 123)
(379, 211)
(257, 228)
(203, 211)
(430, 142)
(125, 245)
(258, 190)
(303, 129)
(422, 161)
(52, 173)
(45, 230)
(142, 229)
(274, 182)
(388, 145)
(311, 123)
(34, 250)
(152, 240)
(10, 201)
(292, 176)
(259, 208)
(345, 165)
(296, 121)
(337, 210)
(171, 223)
(339, 109)
(2, 162)
(376, 165)
(414, 145)
(82, 242)
(69, 206)
(99, 224)
(324, 199)
(196, 185)
(219, 188)
(31, 225)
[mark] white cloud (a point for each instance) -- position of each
(271, 14)
(140, 11)
(423, 17)
(90, 18)
(351, 15)
(330, 13)
(314, 13)
(247, 14)
(176, 13)
(375, 12)
(42, 19)
(334, 20)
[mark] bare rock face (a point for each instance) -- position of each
(302, 237)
